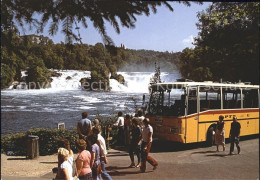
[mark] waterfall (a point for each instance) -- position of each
(69, 79)
(138, 81)
(135, 82)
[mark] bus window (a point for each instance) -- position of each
(228, 100)
(214, 100)
(250, 98)
(192, 101)
(174, 102)
(236, 100)
(204, 102)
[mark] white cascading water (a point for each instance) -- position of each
(69, 80)
(135, 82)
(138, 81)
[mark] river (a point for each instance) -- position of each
(65, 101)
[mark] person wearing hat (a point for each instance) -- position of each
(146, 145)
(220, 133)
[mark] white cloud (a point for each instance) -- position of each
(188, 41)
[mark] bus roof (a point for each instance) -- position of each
(180, 85)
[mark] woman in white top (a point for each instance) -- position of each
(65, 163)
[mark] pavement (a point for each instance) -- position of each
(184, 162)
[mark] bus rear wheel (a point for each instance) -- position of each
(210, 141)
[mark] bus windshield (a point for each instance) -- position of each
(167, 103)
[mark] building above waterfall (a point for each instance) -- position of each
(36, 39)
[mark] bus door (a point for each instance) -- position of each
(192, 117)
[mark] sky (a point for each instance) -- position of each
(163, 31)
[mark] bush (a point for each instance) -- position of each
(49, 138)
(48, 141)
(16, 143)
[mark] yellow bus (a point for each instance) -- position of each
(187, 112)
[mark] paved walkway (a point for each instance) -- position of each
(185, 163)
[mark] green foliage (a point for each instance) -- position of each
(48, 141)
(17, 143)
(37, 72)
(7, 76)
(21, 53)
(113, 69)
(227, 45)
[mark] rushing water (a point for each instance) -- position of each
(64, 101)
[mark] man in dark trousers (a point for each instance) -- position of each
(234, 135)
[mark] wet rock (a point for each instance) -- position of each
(15, 84)
(55, 74)
(68, 78)
(120, 78)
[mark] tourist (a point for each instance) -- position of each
(234, 135)
(65, 160)
(146, 145)
(96, 123)
(220, 133)
(84, 128)
(135, 143)
(103, 151)
(83, 161)
(120, 124)
(140, 114)
(95, 163)
(127, 129)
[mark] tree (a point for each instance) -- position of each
(227, 45)
(38, 75)
(70, 13)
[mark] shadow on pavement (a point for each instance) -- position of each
(123, 173)
(203, 152)
(166, 146)
(109, 168)
(17, 159)
(218, 155)
(118, 153)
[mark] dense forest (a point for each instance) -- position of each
(22, 53)
(227, 47)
